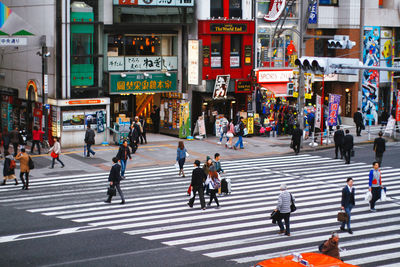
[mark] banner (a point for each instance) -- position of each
(318, 113)
(334, 102)
(184, 120)
(398, 106)
(100, 116)
(221, 86)
(313, 18)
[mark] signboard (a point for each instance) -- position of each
(235, 61)
(206, 56)
(184, 120)
(250, 123)
(276, 8)
(334, 102)
(142, 63)
(390, 126)
(116, 63)
(398, 106)
(46, 84)
(221, 86)
(313, 9)
(274, 76)
(101, 120)
(243, 87)
(215, 62)
(193, 62)
(228, 27)
(318, 112)
(247, 54)
(91, 119)
(201, 125)
(13, 41)
(168, 3)
(139, 83)
(72, 120)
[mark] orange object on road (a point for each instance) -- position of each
(309, 259)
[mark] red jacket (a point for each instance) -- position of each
(37, 134)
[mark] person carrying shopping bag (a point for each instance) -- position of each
(9, 168)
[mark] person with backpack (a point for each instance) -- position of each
(239, 130)
(213, 182)
(331, 246)
(9, 168)
(23, 158)
(89, 140)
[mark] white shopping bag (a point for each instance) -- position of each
(191, 194)
(383, 194)
(187, 155)
(368, 196)
(176, 165)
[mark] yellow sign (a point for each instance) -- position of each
(250, 125)
(296, 94)
(308, 96)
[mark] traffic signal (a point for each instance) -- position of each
(340, 42)
(318, 65)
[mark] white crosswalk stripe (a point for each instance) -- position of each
(241, 230)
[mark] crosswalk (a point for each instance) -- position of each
(240, 231)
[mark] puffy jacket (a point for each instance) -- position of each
(89, 136)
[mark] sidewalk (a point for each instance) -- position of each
(161, 151)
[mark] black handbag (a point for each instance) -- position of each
(31, 164)
(275, 216)
(292, 205)
(291, 144)
(111, 191)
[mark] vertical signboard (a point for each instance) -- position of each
(184, 120)
(221, 86)
(313, 18)
(193, 62)
(334, 102)
(318, 113)
(398, 106)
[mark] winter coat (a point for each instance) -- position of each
(24, 162)
(357, 118)
(348, 142)
(123, 153)
(379, 145)
(89, 137)
(338, 137)
(331, 248)
(36, 135)
(115, 174)
(6, 169)
(180, 154)
(297, 135)
(56, 148)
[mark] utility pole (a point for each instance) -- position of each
(45, 84)
(301, 97)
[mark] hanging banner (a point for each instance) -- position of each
(318, 112)
(184, 120)
(221, 86)
(398, 106)
(334, 102)
(276, 8)
(313, 18)
(100, 121)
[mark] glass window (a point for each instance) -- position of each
(115, 45)
(328, 2)
(216, 51)
(235, 8)
(236, 45)
(82, 48)
(216, 8)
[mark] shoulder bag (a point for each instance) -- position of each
(31, 164)
(292, 205)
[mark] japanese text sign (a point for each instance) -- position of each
(139, 83)
(334, 102)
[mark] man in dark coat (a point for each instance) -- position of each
(296, 138)
(89, 140)
(338, 137)
(379, 148)
(155, 118)
(348, 202)
(143, 133)
(133, 136)
(123, 155)
(198, 178)
(331, 246)
(14, 138)
(348, 146)
(115, 178)
(358, 120)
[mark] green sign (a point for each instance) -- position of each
(139, 83)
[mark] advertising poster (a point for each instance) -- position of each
(334, 102)
(386, 55)
(184, 120)
(201, 125)
(100, 121)
(318, 112)
(73, 120)
(221, 86)
(90, 119)
(370, 79)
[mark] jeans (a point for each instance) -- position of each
(286, 217)
(348, 211)
(222, 137)
(37, 143)
(213, 195)
(200, 190)
(118, 186)
(89, 150)
(240, 141)
(54, 160)
(376, 195)
(26, 181)
(123, 166)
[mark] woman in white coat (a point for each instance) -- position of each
(55, 151)
(213, 184)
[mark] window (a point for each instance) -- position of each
(216, 51)
(328, 2)
(82, 48)
(216, 8)
(236, 45)
(115, 45)
(235, 8)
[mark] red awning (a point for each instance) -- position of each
(279, 89)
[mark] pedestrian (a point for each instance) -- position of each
(217, 163)
(140, 128)
(240, 133)
(5, 138)
(55, 151)
(115, 180)
(133, 137)
(123, 155)
(348, 203)
(348, 144)
(36, 137)
(223, 130)
(14, 138)
(155, 118)
(23, 137)
(375, 185)
(89, 140)
(208, 165)
(331, 246)
(23, 158)
(284, 202)
(379, 148)
(213, 182)
(296, 138)
(230, 134)
(9, 168)
(358, 120)
(198, 178)
(143, 134)
(181, 157)
(338, 137)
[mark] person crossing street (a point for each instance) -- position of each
(89, 140)
(296, 138)
(338, 137)
(198, 178)
(123, 154)
(379, 148)
(375, 185)
(115, 179)
(348, 143)
(348, 202)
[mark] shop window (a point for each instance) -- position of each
(216, 8)
(82, 48)
(115, 45)
(235, 8)
(216, 51)
(328, 2)
(236, 44)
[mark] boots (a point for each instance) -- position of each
(3, 183)
(16, 182)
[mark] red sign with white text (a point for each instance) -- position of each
(398, 107)
(128, 2)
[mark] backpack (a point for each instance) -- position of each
(225, 129)
(31, 164)
(12, 164)
(237, 128)
(320, 247)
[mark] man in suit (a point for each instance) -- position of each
(198, 178)
(348, 144)
(296, 138)
(358, 120)
(379, 148)
(348, 202)
(338, 137)
(134, 137)
(115, 178)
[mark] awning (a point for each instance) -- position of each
(278, 89)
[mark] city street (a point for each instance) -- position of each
(63, 221)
